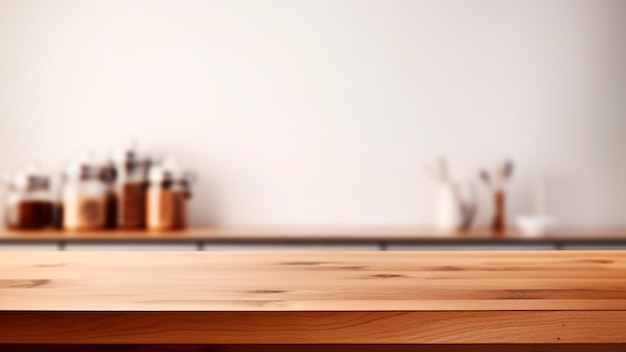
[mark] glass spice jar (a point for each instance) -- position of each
(108, 176)
(167, 196)
(29, 201)
(131, 169)
(84, 196)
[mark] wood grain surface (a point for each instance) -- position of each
(338, 234)
(494, 297)
(311, 348)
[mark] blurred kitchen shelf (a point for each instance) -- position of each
(282, 238)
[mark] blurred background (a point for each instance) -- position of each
(323, 113)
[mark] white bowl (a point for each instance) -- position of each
(535, 225)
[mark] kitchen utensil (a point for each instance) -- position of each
(497, 182)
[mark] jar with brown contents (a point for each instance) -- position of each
(29, 201)
(166, 198)
(130, 187)
(84, 196)
(108, 175)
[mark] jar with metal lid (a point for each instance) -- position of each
(29, 202)
(131, 169)
(167, 196)
(108, 176)
(84, 195)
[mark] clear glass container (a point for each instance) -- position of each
(108, 176)
(29, 202)
(131, 169)
(167, 197)
(84, 196)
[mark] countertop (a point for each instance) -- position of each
(473, 297)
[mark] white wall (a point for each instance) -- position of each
(321, 112)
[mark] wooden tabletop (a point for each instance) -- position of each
(312, 234)
(313, 297)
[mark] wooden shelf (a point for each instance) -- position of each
(337, 234)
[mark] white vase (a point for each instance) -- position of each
(448, 215)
